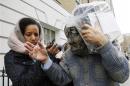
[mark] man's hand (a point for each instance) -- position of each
(52, 49)
(93, 36)
(37, 52)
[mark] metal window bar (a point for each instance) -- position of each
(3, 76)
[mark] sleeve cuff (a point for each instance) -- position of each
(47, 65)
(105, 48)
(59, 55)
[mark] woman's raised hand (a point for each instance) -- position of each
(37, 52)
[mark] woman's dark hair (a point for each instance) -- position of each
(28, 21)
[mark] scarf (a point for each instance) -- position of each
(16, 39)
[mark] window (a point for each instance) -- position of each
(57, 1)
(129, 49)
(77, 2)
(49, 35)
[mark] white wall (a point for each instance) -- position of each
(46, 11)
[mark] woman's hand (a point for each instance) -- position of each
(37, 52)
(93, 36)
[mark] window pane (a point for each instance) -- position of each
(49, 35)
(52, 35)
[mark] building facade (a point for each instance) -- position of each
(47, 12)
(126, 44)
(50, 14)
(69, 5)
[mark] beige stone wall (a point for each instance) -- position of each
(84, 1)
(68, 4)
(126, 43)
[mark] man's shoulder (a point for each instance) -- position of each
(68, 55)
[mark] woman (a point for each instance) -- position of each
(20, 68)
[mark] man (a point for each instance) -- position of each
(107, 67)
